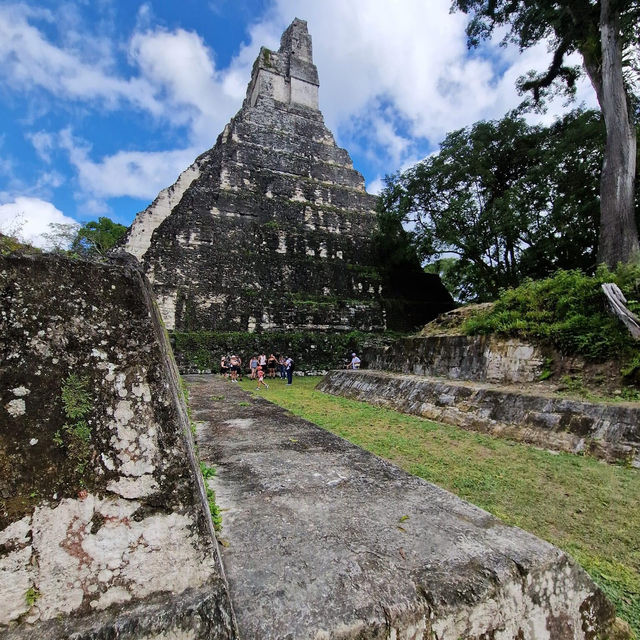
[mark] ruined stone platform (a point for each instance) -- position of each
(325, 540)
(605, 430)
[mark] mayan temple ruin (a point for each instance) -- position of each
(139, 501)
(272, 228)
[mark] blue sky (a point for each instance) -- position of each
(104, 102)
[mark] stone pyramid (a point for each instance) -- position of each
(271, 229)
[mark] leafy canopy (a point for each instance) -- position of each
(501, 201)
(96, 238)
(568, 25)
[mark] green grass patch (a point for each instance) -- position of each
(588, 508)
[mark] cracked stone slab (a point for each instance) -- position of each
(325, 540)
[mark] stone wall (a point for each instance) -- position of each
(459, 357)
(608, 431)
(104, 526)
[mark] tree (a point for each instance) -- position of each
(60, 236)
(504, 199)
(602, 31)
(96, 238)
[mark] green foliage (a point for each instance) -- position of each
(492, 207)
(75, 396)
(96, 238)
(9, 244)
(31, 596)
(75, 435)
(207, 472)
(310, 350)
(568, 310)
(216, 515)
(610, 63)
(589, 509)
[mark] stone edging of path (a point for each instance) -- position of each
(607, 431)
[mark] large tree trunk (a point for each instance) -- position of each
(618, 233)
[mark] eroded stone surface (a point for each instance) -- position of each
(608, 431)
(274, 228)
(119, 523)
(459, 357)
(324, 540)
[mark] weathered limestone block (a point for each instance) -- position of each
(272, 218)
(104, 526)
(458, 357)
(608, 431)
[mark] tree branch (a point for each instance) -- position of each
(555, 70)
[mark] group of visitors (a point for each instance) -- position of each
(260, 367)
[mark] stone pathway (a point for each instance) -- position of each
(324, 540)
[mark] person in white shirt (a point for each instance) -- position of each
(355, 362)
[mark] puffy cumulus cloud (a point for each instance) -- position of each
(29, 61)
(181, 70)
(175, 80)
(29, 218)
(127, 173)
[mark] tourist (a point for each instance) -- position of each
(288, 364)
(260, 373)
(281, 367)
(262, 361)
(253, 366)
(272, 361)
(224, 368)
(355, 362)
(235, 368)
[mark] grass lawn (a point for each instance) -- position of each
(588, 508)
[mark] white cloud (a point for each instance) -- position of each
(401, 69)
(29, 219)
(181, 70)
(376, 186)
(395, 77)
(126, 173)
(43, 143)
(29, 61)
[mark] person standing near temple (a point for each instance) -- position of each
(288, 367)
